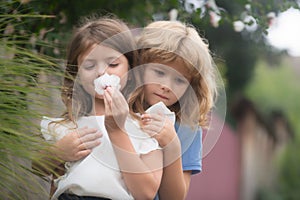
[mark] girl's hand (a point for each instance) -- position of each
(116, 109)
(158, 127)
(77, 144)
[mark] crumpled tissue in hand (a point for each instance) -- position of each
(161, 108)
(105, 81)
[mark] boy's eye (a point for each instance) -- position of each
(158, 72)
(180, 80)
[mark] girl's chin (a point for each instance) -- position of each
(99, 96)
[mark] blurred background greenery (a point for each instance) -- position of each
(33, 39)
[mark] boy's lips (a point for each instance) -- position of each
(161, 96)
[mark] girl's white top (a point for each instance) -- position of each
(98, 174)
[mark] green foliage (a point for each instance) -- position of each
(30, 31)
(239, 56)
(288, 182)
(20, 68)
(277, 88)
(236, 54)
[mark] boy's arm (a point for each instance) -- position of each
(48, 163)
(72, 147)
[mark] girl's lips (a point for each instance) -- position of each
(161, 96)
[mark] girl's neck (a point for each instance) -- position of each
(99, 107)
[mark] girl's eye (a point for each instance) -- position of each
(89, 67)
(159, 73)
(113, 64)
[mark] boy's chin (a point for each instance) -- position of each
(151, 103)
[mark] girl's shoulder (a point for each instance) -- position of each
(54, 129)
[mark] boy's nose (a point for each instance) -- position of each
(165, 88)
(166, 85)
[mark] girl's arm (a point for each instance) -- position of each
(141, 173)
(175, 182)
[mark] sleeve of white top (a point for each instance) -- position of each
(141, 141)
(52, 131)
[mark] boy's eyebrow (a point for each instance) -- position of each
(188, 77)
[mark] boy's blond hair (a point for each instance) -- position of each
(167, 41)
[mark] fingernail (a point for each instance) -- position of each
(147, 119)
(108, 88)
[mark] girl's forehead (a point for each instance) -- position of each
(99, 52)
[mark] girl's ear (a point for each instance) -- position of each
(129, 78)
(77, 78)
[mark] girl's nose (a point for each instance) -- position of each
(101, 69)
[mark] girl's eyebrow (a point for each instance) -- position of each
(88, 60)
(106, 59)
(112, 58)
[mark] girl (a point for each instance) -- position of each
(178, 70)
(119, 168)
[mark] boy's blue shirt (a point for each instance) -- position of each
(191, 147)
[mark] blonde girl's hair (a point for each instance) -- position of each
(166, 41)
(108, 31)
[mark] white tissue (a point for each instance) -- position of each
(161, 108)
(105, 81)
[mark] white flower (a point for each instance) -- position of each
(248, 7)
(214, 19)
(212, 5)
(173, 14)
(192, 5)
(251, 24)
(271, 15)
(238, 26)
(271, 18)
(105, 81)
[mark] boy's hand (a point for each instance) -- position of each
(159, 127)
(77, 144)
